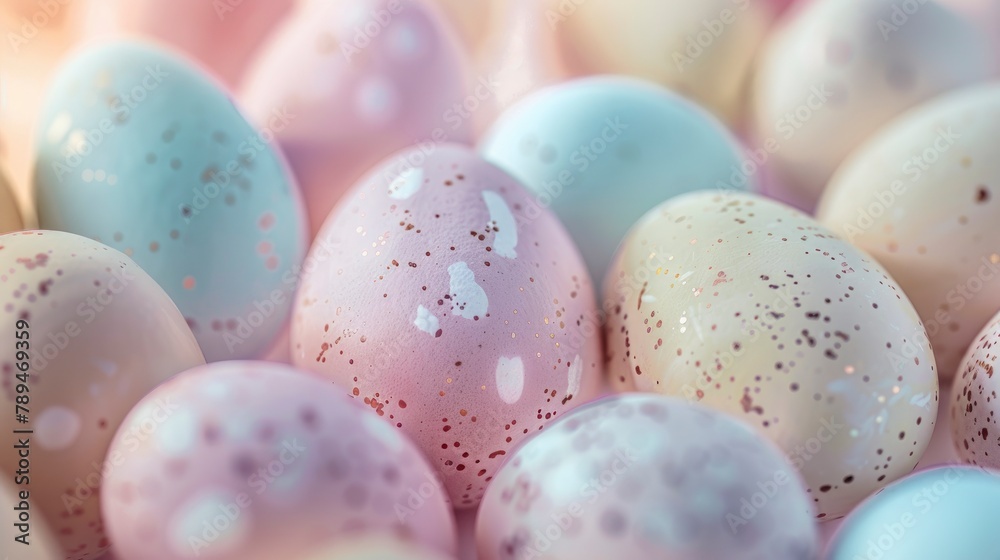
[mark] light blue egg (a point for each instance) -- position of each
(140, 150)
(603, 151)
(945, 513)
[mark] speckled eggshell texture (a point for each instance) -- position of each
(444, 298)
(603, 151)
(365, 78)
(140, 150)
(703, 49)
(100, 335)
(10, 214)
(645, 476)
(380, 547)
(42, 544)
(923, 197)
(837, 70)
(753, 308)
(255, 461)
(974, 404)
(946, 512)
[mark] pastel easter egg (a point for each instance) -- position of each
(923, 197)
(365, 78)
(39, 543)
(379, 547)
(752, 308)
(10, 215)
(139, 150)
(442, 296)
(944, 512)
(973, 401)
(89, 335)
(221, 34)
(838, 70)
(703, 49)
(644, 476)
(603, 151)
(253, 461)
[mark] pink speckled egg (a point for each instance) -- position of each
(222, 34)
(753, 308)
(254, 461)
(376, 547)
(362, 80)
(974, 404)
(644, 476)
(456, 307)
(25, 532)
(95, 334)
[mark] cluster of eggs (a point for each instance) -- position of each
(397, 274)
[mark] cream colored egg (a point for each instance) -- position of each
(382, 547)
(750, 307)
(923, 197)
(703, 49)
(838, 70)
(86, 335)
(24, 532)
(10, 216)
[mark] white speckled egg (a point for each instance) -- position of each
(98, 334)
(974, 404)
(946, 512)
(140, 150)
(603, 151)
(923, 197)
(753, 308)
(10, 215)
(256, 461)
(458, 310)
(838, 70)
(644, 476)
(365, 78)
(702, 49)
(377, 547)
(17, 502)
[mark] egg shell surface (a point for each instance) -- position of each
(141, 151)
(442, 297)
(973, 402)
(751, 307)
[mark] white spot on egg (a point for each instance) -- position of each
(510, 379)
(404, 41)
(503, 223)
(407, 184)
(76, 142)
(467, 298)
(178, 433)
(59, 127)
(377, 100)
(107, 367)
(87, 175)
(575, 373)
(426, 321)
(57, 427)
(191, 518)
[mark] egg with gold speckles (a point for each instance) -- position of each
(923, 197)
(838, 70)
(974, 404)
(365, 78)
(10, 215)
(753, 308)
(442, 296)
(256, 461)
(141, 151)
(90, 334)
(646, 476)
